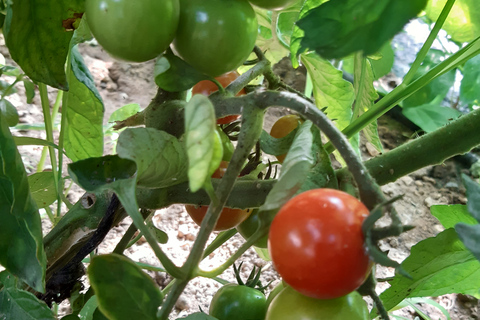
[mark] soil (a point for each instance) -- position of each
(121, 83)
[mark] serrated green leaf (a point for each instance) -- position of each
(84, 113)
(463, 22)
(431, 116)
(173, 74)
(42, 188)
(23, 305)
(438, 265)
(297, 33)
(200, 139)
(469, 92)
(365, 97)
(38, 34)
(123, 290)
(338, 28)
(161, 159)
(322, 174)
(330, 89)
(295, 169)
(450, 215)
(21, 245)
(9, 112)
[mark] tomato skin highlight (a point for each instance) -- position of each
(207, 87)
(238, 302)
(282, 127)
(289, 305)
(134, 31)
(317, 245)
(229, 217)
(273, 4)
(216, 36)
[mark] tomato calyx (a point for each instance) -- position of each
(253, 280)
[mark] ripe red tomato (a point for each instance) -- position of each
(216, 36)
(229, 217)
(283, 127)
(133, 30)
(317, 245)
(207, 87)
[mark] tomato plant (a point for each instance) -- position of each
(289, 304)
(238, 302)
(283, 127)
(229, 218)
(207, 87)
(133, 30)
(316, 243)
(273, 4)
(216, 36)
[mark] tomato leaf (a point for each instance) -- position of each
(338, 28)
(365, 96)
(161, 159)
(200, 139)
(20, 304)
(469, 92)
(295, 169)
(84, 112)
(89, 309)
(297, 33)
(42, 188)
(173, 74)
(435, 89)
(9, 112)
(123, 290)
(438, 265)
(38, 36)
(21, 245)
(431, 116)
(276, 146)
(29, 90)
(160, 235)
(463, 22)
(449, 215)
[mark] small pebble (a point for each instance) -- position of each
(182, 303)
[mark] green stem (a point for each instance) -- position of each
(131, 207)
(247, 138)
(403, 91)
(428, 43)
(50, 215)
(61, 138)
(125, 241)
(49, 132)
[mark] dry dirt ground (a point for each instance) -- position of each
(121, 83)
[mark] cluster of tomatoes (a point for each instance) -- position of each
(315, 242)
(214, 36)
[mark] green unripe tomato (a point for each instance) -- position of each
(168, 116)
(236, 302)
(248, 227)
(216, 36)
(289, 304)
(134, 31)
(273, 4)
(275, 292)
